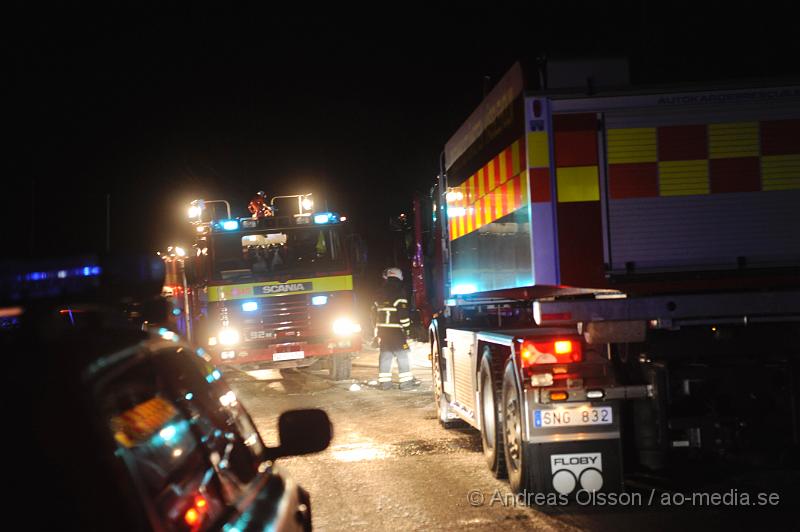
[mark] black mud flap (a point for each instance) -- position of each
(568, 467)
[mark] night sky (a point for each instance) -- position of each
(158, 108)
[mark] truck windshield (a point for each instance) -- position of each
(293, 252)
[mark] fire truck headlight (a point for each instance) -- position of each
(250, 306)
(345, 327)
(228, 336)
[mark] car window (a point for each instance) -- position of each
(183, 436)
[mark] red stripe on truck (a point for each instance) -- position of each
(780, 137)
(580, 244)
(540, 185)
(575, 140)
(633, 180)
(682, 143)
(740, 174)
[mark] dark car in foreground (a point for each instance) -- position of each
(118, 428)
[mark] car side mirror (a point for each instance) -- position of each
(303, 432)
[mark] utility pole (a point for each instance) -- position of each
(33, 218)
(108, 222)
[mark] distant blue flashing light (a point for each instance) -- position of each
(325, 218)
(250, 306)
(86, 271)
(188, 396)
(319, 300)
(230, 225)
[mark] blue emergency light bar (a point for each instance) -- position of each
(225, 225)
(84, 271)
(326, 218)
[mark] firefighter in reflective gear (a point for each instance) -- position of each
(393, 328)
(259, 207)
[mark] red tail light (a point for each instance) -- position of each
(194, 515)
(552, 351)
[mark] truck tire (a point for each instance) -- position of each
(491, 431)
(340, 367)
(446, 418)
(517, 457)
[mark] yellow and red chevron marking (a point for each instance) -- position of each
(496, 190)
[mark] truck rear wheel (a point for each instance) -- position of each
(340, 367)
(517, 458)
(491, 431)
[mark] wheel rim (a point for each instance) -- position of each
(513, 431)
(488, 411)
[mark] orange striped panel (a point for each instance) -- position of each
(494, 191)
(498, 201)
(510, 194)
(516, 157)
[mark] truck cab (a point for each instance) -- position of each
(272, 292)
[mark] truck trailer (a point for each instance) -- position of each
(612, 276)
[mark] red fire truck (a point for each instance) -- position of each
(612, 277)
(269, 291)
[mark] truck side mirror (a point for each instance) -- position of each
(302, 432)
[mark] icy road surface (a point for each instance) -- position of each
(391, 466)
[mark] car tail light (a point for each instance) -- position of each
(194, 515)
(552, 351)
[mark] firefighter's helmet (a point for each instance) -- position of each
(397, 273)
